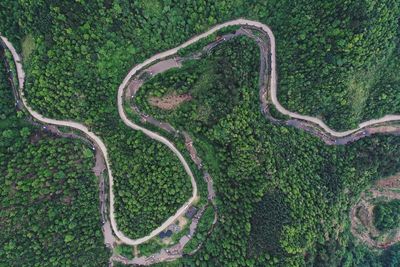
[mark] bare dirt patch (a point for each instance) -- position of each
(170, 101)
(164, 65)
(133, 87)
(167, 240)
(68, 200)
(100, 165)
(390, 182)
(361, 214)
(36, 137)
(182, 221)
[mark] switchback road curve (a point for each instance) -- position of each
(102, 147)
(133, 71)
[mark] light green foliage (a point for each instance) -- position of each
(256, 158)
(201, 231)
(323, 57)
(28, 45)
(152, 246)
(151, 188)
(49, 214)
(324, 50)
(124, 250)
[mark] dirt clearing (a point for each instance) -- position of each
(170, 101)
(391, 182)
(362, 214)
(133, 87)
(182, 221)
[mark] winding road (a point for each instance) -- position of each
(102, 147)
(155, 136)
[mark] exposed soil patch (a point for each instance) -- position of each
(182, 221)
(391, 182)
(34, 138)
(68, 200)
(133, 87)
(362, 214)
(164, 65)
(100, 165)
(167, 241)
(170, 101)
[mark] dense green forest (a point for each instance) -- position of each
(49, 213)
(336, 60)
(214, 88)
(282, 193)
(81, 65)
(155, 188)
(387, 215)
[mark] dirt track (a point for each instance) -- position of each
(133, 71)
(102, 147)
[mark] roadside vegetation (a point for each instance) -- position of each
(140, 165)
(150, 189)
(201, 231)
(125, 251)
(152, 246)
(281, 193)
(213, 87)
(336, 60)
(49, 212)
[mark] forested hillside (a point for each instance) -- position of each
(81, 71)
(155, 187)
(332, 56)
(283, 194)
(337, 60)
(49, 213)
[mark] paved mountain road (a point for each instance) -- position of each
(133, 71)
(102, 147)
